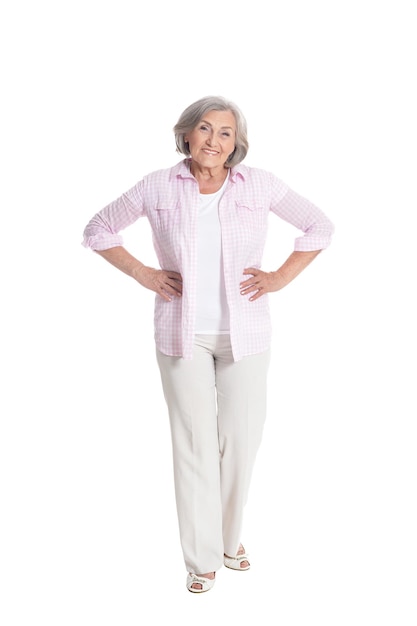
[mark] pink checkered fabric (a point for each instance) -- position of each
(169, 198)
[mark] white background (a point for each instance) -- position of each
(88, 530)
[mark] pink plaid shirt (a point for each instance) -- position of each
(169, 198)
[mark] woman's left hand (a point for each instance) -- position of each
(260, 283)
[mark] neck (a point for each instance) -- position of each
(209, 180)
(207, 174)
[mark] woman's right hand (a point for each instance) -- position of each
(165, 283)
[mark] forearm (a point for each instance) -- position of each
(120, 258)
(293, 266)
(165, 283)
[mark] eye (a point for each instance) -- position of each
(203, 127)
(226, 134)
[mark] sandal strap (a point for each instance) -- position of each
(200, 579)
(206, 583)
(238, 557)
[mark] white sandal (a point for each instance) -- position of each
(233, 562)
(206, 583)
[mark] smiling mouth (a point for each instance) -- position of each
(212, 152)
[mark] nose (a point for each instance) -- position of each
(211, 140)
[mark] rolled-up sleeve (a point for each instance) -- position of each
(317, 228)
(102, 231)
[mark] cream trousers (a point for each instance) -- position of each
(217, 410)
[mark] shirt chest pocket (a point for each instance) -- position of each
(166, 215)
(250, 215)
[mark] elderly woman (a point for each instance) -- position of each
(209, 218)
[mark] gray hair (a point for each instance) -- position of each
(190, 117)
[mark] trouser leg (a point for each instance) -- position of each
(189, 389)
(241, 398)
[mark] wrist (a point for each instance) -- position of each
(137, 271)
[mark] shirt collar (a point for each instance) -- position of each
(182, 170)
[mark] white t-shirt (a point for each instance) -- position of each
(212, 310)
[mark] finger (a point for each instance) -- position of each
(256, 276)
(251, 270)
(261, 291)
(167, 291)
(173, 287)
(160, 287)
(251, 282)
(249, 289)
(174, 276)
(172, 281)
(164, 295)
(172, 290)
(246, 283)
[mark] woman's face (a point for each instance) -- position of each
(212, 141)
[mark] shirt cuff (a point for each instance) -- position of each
(102, 241)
